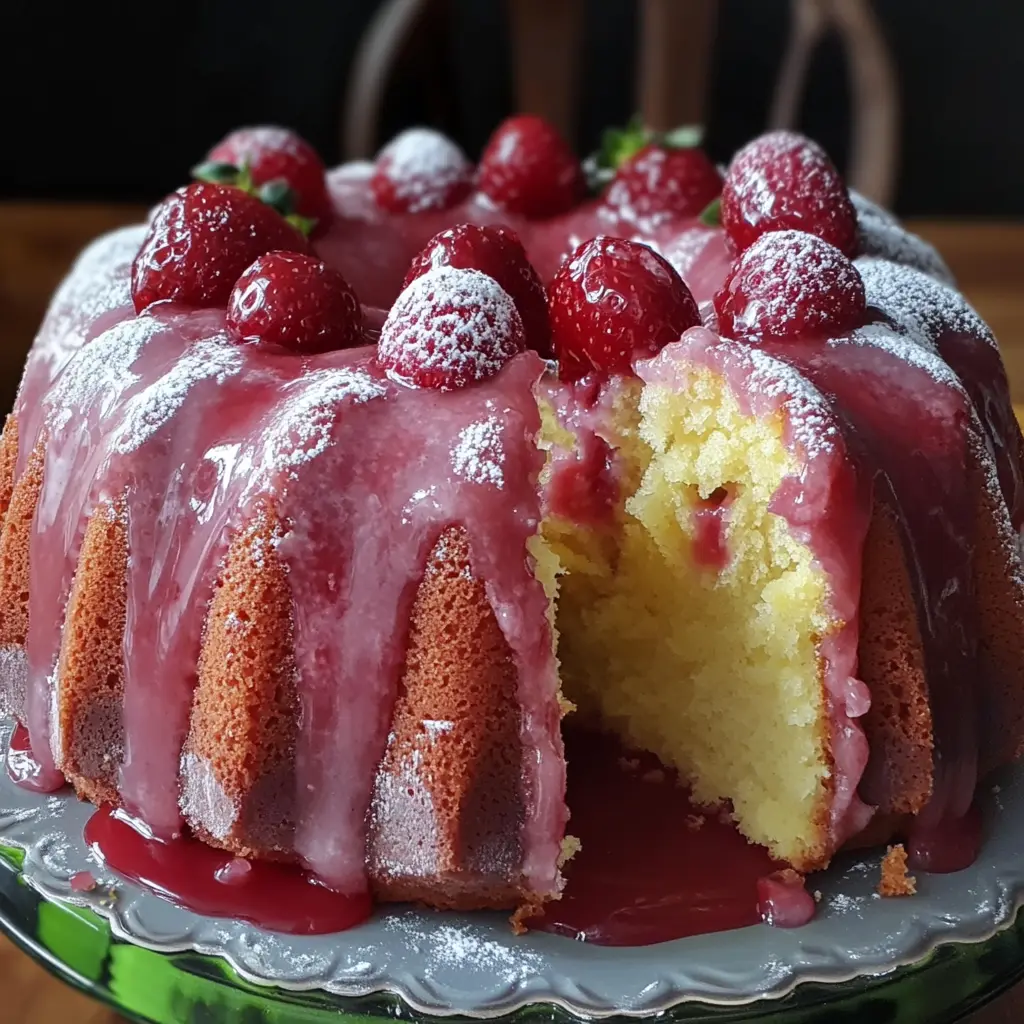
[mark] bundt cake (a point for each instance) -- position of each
(308, 524)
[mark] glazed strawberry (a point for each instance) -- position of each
(200, 240)
(614, 301)
(418, 170)
(498, 252)
(785, 181)
(273, 154)
(790, 285)
(448, 328)
(661, 183)
(296, 301)
(527, 168)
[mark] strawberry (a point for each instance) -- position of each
(295, 301)
(272, 155)
(614, 301)
(662, 183)
(200, 239)
(418, 170)
(790, 285)
(448, 328)
(497, 252)
(783, 180)
(527, 168)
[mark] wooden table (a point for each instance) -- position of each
(38, 241)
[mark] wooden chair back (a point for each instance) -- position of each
(675, 45)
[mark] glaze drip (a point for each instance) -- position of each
(192, 431)
(909, 424)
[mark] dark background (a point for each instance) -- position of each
(117, 100)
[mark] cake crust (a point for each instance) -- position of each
(90, 676)
(238, 784)
(447, 809)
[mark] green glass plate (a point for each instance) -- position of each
(186, 988)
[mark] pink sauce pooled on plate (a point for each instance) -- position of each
(278, 897)
(652, 865)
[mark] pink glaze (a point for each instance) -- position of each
(937, 317)
(667, 869)
(911, 422)
(783, 900)
(373, 249)
(827, 507)
(192, 430)
(949, 845)
(82, 881)
(277, 897)
(235, 872)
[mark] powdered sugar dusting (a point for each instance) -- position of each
(840, 903)
(452, 326)
(250, 143)
(477, 455)
(811, 423)
(649, 176)
(203, 800)
(787, 276)
(403, 823)
(423, 165)
(920, 306)
(103, 365)
(881, 337)
(682, 252)
(455, 946)
(748, 179)
(13, 677)
(883, 236)
(304, 422)
(435, 727)
(98, 282)
(353, 171)
(215, 358)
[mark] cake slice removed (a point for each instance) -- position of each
(709, 613)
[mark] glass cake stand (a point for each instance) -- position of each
(77, 946)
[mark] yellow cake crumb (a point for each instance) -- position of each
(716, 671)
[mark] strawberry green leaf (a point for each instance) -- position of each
(617, 146)
(244, 181)
(621, 144)
(712, 213)
(216, 172)
(303, 224)
(278, 194)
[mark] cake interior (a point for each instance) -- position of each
(689, 625)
